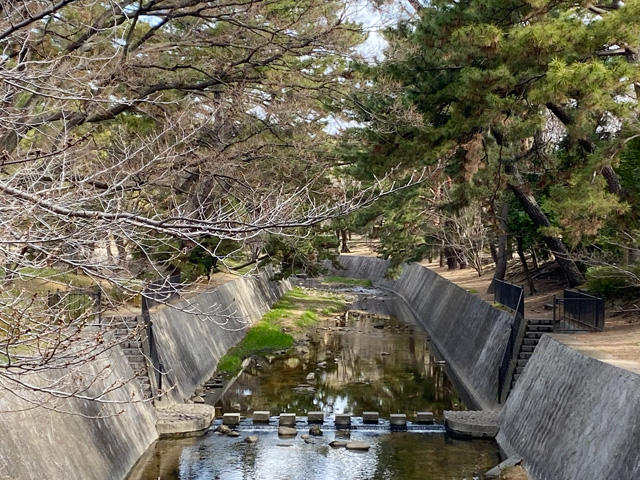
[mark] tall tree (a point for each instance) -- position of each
(546, 89)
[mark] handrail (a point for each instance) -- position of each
(507, 366)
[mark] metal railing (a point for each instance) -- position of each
(76, 303)
(509, 295)
(504, 377)
(578, 307)
(157, 292)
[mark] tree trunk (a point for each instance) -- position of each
(451, 257)
(534, 258)
(501, 260)
(494, 252)
(525, 267)
(441, 258)
(345, 246)
(610, 175)
(555, 244)
(462, 258)
(613, 181)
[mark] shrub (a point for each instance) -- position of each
(613, 282)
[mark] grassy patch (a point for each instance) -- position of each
(360, 282)
(308, 318)
(297, 309)
(264, 337)
(472, 290)
(55, 276)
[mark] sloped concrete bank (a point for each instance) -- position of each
(41, 442)
(571, 416)
(469, 333)
(193, 335)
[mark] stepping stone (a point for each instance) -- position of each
(231, 419)
(343, 420)
(287, 419)
(287, 431)
(424, 417)
(315, 417)
(370, 417)
(398, 420)
(261, 416)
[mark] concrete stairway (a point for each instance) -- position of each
(533, 333)
(133, 350)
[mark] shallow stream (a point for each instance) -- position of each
(349, 364)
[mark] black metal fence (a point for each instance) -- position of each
(515, 296)
(578, 307)
(76, 303)
(509, 295)
(158, 291)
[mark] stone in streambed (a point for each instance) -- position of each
(223, 429)
(338, 444)
(359, 446)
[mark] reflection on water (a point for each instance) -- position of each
(401, 456)
(363, 363)
(349, 364)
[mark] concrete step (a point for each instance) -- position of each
(536, 335)
(540, 321)
(136, 358)
(143, 383)
(522, 363)
(145, 389)
(132, 351)
(540, 328)
(515, 377)
(528, 348)
(124, 332)
(138, 366)
(524, 355)
(531, 341)
(519, 370)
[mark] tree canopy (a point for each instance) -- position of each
(535, 99)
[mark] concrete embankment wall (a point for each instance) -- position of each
(469, 333)
(571, 417)
(193, 335)
(43, 443)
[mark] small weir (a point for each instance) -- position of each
(367, 377)
(302, 424)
